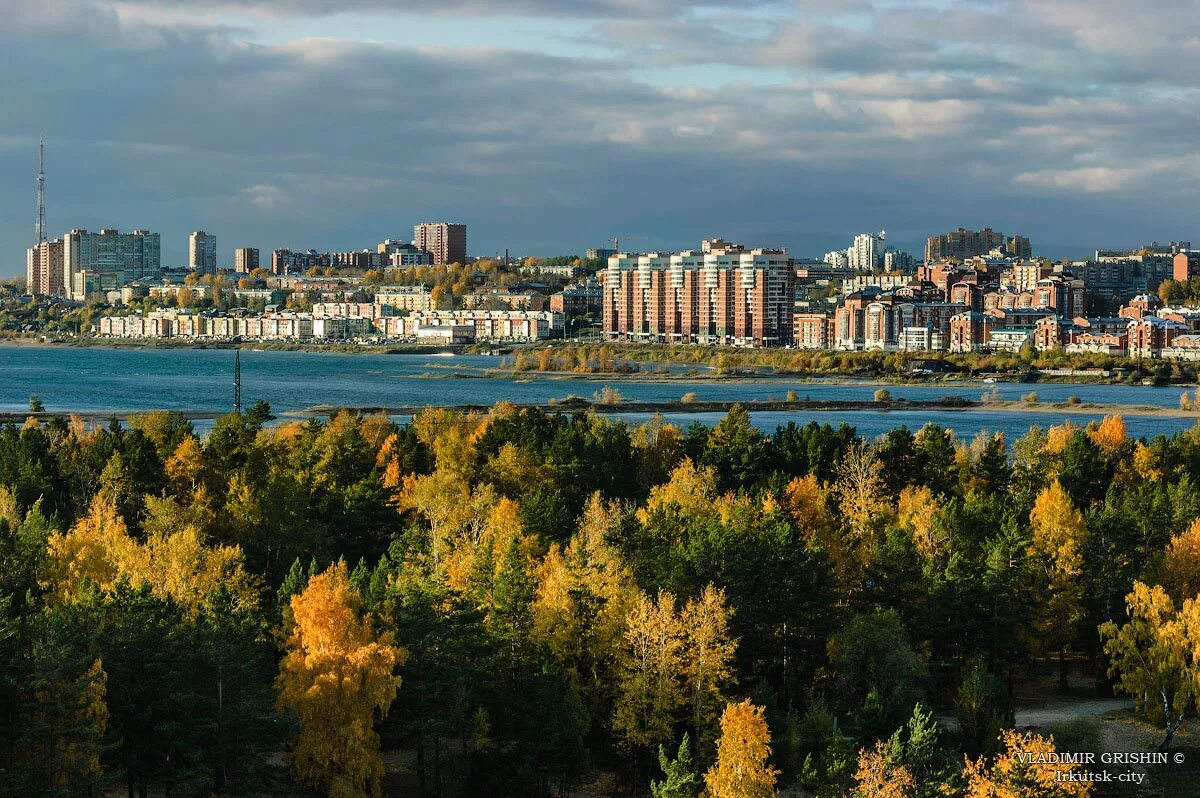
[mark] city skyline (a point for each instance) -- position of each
(549, 128)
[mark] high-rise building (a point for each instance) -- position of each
(1018, 247)
(447, 242)
(245, 260)
(866, 252)
(895, 260)
(119, 257)
(284, 261)
(724, 295)
(202, 252)
(963, 243)
(402, 254)
(44, 269)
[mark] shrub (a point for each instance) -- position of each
(1072, 400)
(883, 395)
(608, 396)
(1030, 398)
(688, 397)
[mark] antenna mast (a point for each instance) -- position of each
(41, 207)
(237, 380)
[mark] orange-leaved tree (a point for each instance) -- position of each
(742, 769)
(337, 675)
(1023, 770)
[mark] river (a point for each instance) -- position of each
(98, 379)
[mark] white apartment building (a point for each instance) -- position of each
(866, 252)
(202, 252)
(109, 258)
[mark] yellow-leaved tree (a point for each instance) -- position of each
(691, 492)
(583, 595)
(338, 677)
(917, 511)
(175, 560)
(1058, 534)
(1154, 655)
(1179, 573)
(1022, 770)
(879, 775)
(708, 660)
(863, 502)
(650, 692)
(742, 769)
(806, 500)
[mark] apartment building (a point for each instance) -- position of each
(245, 260)
(202, 252)
(107, 259)
(725, 295)
(406, 298)
(446, 241)
(962, 243)
(44, 269)
(501, 326)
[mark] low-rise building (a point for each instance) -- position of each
(407, 298)
(578, 299)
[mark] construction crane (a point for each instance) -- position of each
(616, 241)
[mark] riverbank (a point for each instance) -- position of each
(619, 407)
(621, 359)
(89, 342)
(601, 361)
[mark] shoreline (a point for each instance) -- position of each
(695, 372)
(958, 404)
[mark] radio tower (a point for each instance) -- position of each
(40, 230)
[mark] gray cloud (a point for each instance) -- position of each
(832, 119)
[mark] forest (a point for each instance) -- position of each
(531, 604)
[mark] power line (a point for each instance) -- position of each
(237, 381)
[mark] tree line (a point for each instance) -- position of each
(525, 603)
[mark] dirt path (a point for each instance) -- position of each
(1057, 712)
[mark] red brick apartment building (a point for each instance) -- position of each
(723, 294)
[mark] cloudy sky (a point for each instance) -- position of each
(550, 125)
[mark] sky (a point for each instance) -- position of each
(550, 126)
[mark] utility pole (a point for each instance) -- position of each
(40, 227)
(237, 380)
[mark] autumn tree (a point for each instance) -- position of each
(337, 676)
(1154, 655)
(650, 692)
(742, 769)
(1058, 535)
(584, 593)
(708, 658)
(863, 502)
(918, 511)
(690, 492)
(1023, 770)
(879, 775)
(1179, 573)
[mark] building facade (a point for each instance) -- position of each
(726, 295)
(202, 252)
(109, 257)
(963, 243)
(44, 269)
(446, 241)
(245, 260)
(285, 261)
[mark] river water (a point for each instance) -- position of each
(100, 380)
